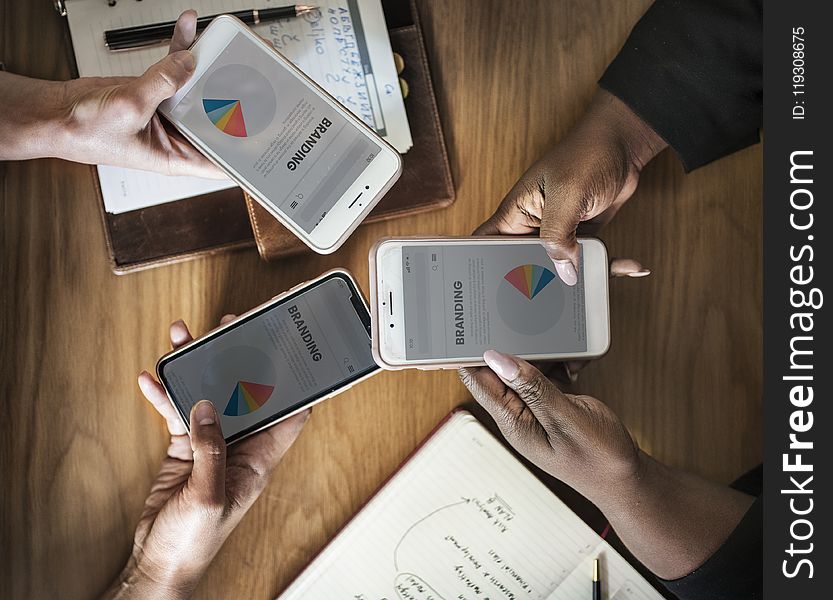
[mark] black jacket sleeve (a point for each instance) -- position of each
(692, 70)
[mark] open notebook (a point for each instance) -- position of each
(345, 48)
(464, 519)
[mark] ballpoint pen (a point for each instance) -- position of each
(155, 33)
(597, 583)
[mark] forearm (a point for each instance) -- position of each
(672, 521)
(32, 119)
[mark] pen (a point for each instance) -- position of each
(155, 33)
(597, 584)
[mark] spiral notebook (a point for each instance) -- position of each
(464, 519)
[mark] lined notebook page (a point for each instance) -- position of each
(464, 520)
(325, 47)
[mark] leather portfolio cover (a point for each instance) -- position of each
(426, 182)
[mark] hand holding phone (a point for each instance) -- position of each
(601, 157)
(295, 149)
(105, 120)
(202, 491)
(577, 439)
(276, 360)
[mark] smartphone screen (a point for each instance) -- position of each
(281, 358)
(463, 299)
(291, 145)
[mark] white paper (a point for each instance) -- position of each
(324, 45)
(465, 520)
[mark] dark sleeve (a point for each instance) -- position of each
(692, 70)
(735, 570)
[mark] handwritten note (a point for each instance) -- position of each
(464, 520)
(344, 47)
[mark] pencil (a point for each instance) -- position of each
(138, 36)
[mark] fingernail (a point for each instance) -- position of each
(642, 273)
(504, 365)
(186, 59)
(573, 377)
(566, 271)
(178, 332)
(142, 380)
(205, 413)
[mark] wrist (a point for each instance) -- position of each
(59, 139)
(634, 137)
(35, 122)
(627, 486)
(138, 580)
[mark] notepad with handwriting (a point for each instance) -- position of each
(463, 519)
(344, 47)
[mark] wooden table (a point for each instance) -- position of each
(80, 446)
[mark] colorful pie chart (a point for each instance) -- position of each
(528, 299)
(227, 116)
(242, 377)
(239, 101)
(529, 280)
(247, 397)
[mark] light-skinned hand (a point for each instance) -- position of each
(107, 120)
(114, 121)
(202, 492)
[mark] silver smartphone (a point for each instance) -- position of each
(304, 157)
(440, 303)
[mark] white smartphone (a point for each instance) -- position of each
(301, 347)
(303, 156)
(441, 303)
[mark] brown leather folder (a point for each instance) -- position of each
(426, 182)
(220, 221)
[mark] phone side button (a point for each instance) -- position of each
(339, 391)
(292, 289)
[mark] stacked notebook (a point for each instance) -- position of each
(464, 519)
(150, 220)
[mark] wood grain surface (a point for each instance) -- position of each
(80, 447)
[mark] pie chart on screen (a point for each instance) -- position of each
(239, 380)
(247, 397)
(227, 116)
(239, 101)
(529, 299)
